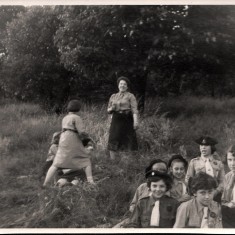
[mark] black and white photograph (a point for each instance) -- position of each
(117, 118)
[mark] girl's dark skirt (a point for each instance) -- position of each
(122, 135)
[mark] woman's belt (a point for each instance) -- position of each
(67, 129)
(128, 111)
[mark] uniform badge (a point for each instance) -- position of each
(204, 141)
(212, 215)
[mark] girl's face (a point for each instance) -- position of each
(231, 161)
(122, 86)
(204, 197)
(161, 167)
(205, 150)
(178, 170)
(158, 189)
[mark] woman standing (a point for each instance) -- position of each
(123, 107)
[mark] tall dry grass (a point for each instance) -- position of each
(167, 126)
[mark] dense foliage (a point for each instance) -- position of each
(50, 53)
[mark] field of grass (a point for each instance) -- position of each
(167, 126)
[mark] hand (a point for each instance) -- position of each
(231, 204)
(135, 126)
(110, 110)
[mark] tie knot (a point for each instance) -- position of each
(156, 203)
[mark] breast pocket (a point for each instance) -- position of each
(199, 169)
(168, 216)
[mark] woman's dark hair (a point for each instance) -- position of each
(124, 79)
(161, 176)
(213, 149)
(201, 181)
(149, 167)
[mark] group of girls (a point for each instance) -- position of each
(177, 194)
(181, 195)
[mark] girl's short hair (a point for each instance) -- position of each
(153, 162)
(177, 158)
(201, 181)
(160, 176)
(231, 149)
(124, 79)
(74, 106)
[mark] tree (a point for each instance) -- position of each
(101, 43)
(32, 69)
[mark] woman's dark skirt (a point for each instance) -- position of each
(122, 135)
(228, 217)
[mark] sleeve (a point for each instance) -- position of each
(227, 191)
(79, 124)
(133, 104)
(110, 101)
(81, 130)
(190, 171)
(221, 178)
(135, 217)
(52, 152)
(181, 216)
(135, 198)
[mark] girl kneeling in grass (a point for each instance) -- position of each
(157, 209)
(71, 153)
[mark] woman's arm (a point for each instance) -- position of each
(110, 104)
(134, 109)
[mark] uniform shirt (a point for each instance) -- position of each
(190, 214)
(73, 122)
(52, 152)
(141, 215)
(229, 181)
(198, 164)
(123, 101)
(141, 191)
(176, 190)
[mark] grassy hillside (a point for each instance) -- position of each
(168, 126)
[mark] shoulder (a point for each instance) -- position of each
(217, 162)
(144, 198)
(144, 185)
(194, 160)
(129, 94)
(113, 95)
(186, 205)
(169, 199)
(228, 175)
(75, 117)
